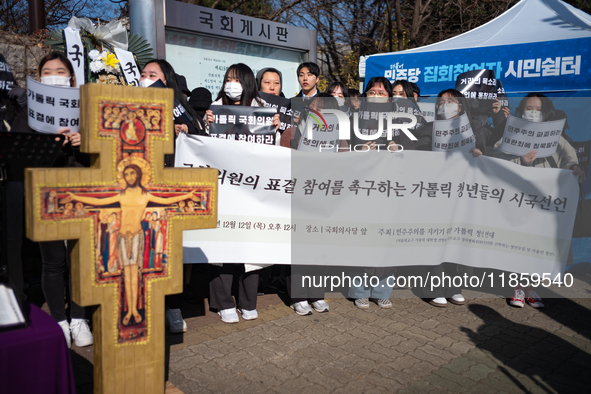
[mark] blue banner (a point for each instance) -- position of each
(562, 65)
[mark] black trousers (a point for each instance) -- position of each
(220, 287)
(55, 273)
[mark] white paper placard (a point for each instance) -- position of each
(522, 136)
(51, 108)
(453, 135)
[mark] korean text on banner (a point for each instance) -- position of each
(321, 134)
(241, 123)
(278, 205)
(453, 134)
(75, 53)
(522, 136)
(131, 72)
(52, 108)
(283, 107)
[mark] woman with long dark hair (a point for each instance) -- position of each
(154, 70)
(403, 88)
(239, 88)
(536, 107)
(160, 69)
(56, 70)
(450, 104)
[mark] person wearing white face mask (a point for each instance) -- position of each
(379, 90)
(159, 69)
(337, 90)
(448, 110)
(451, 104)
(536, 107)
(154, 70)
(56, 70)
(239, 88)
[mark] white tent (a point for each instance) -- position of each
(529, 21)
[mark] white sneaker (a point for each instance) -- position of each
(81, 333)
(439, 302)
(457, 299)
(518, 298)
(248, 315)
(533, 299)
(66, 329)
(302, 308)
(320, 306)
(229, 315)
(174, 319)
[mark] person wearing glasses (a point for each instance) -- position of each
(377, 90)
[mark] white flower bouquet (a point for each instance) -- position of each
(105, 68)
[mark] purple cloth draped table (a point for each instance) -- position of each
(36, 359)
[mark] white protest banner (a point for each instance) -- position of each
(453, 135)
(75, 53)
(51, 108)
(278, 205)
(321, 134)
(522, 136)
(242, 123)
(264, 226)
(131, 72)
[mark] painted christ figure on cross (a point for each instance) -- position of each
(122, 215)
(133, 200)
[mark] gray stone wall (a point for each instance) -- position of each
(23, 53)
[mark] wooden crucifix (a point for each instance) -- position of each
(125, 215)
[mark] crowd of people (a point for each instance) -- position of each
(241, 87)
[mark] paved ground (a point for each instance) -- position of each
(484, 346)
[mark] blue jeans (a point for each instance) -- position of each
(381, 291)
